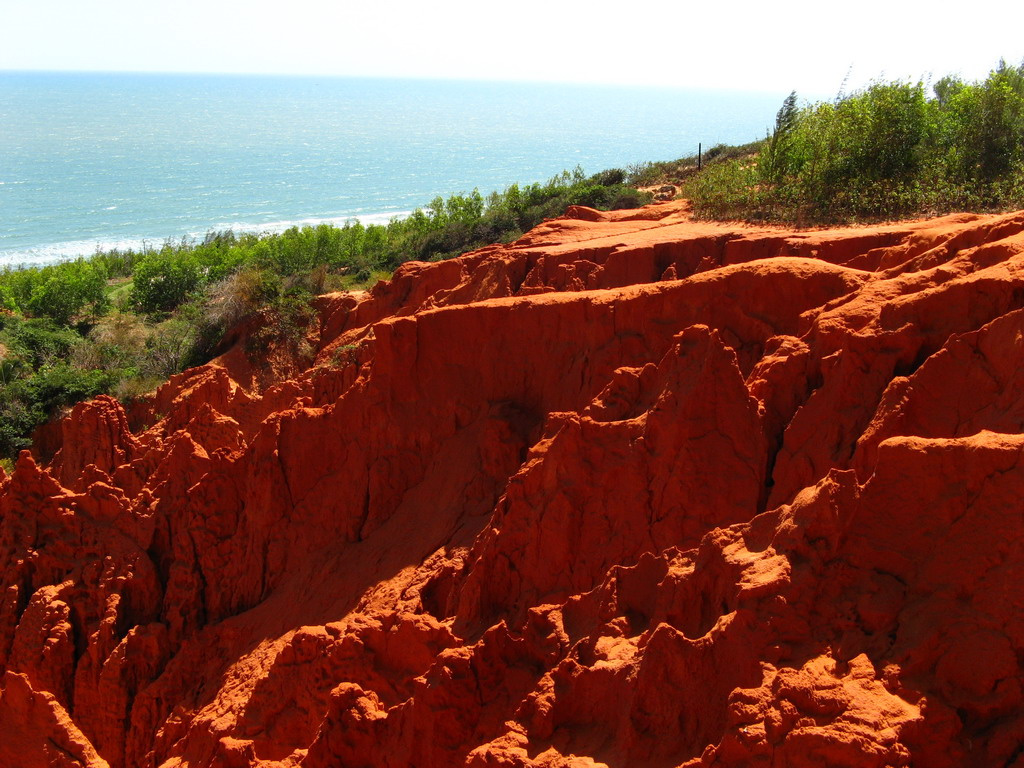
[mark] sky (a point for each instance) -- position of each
(812, 47)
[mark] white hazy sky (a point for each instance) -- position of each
(739, 44)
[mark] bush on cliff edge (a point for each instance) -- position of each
(884, 152)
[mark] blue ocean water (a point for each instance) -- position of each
(96, 161)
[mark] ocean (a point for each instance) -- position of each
(100, 161)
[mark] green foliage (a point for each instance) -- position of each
(36, 342)
(777, 152)
(984, 133)
(730, 189)
(28, 402)
(679, 171)
(163, 280)
(180, 342)
(7, 301)
(883, 152)
(286, 321)
(60, 292)
(16, 424)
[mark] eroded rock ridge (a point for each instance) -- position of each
(633, 491)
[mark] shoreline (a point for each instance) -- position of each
(70, 250)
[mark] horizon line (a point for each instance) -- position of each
(397, 78)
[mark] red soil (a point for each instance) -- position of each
(633, 491)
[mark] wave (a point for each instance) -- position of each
(52, 253)
(276, 227)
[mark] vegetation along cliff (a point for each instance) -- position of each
(632, 490)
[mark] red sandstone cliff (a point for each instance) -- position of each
(633, 491)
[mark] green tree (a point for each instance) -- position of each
(163, 280)
(775, 157)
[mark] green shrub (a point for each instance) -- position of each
(7, 299)
(163, 280)
(174, 345)
(16, 424)
(882, 152)
(38, 341)
(61, 292)
(726, 190)
(29, 402)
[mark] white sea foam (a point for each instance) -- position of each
(276, 227)
(66, 251)
(52, 253)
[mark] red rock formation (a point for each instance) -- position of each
(632, 491)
